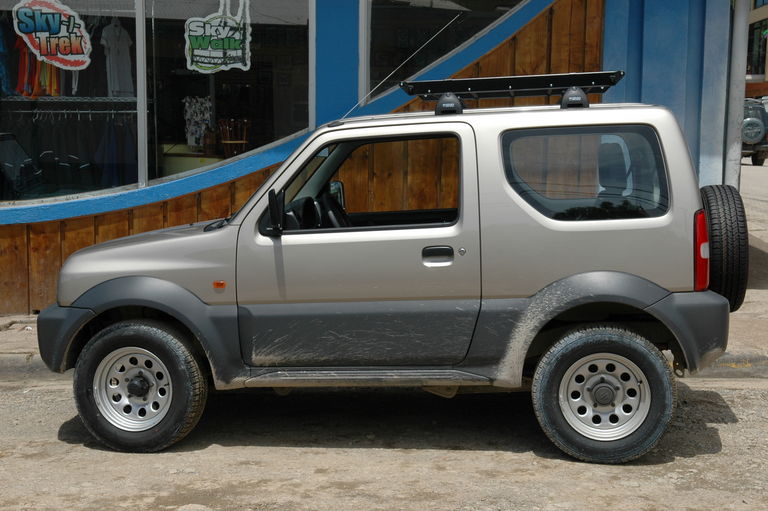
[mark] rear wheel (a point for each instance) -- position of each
(138, 387)
(604, 395)
(728, 243)
(758, 159)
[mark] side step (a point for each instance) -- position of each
(365, 378)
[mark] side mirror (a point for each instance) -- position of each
(276, 208)
(336, 189)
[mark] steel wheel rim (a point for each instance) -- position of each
(604, 396)
(132, 389)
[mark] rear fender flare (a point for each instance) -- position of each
(561, 296)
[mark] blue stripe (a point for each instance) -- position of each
(46, 212)
(336, 92)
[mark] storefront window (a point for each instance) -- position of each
(67, 97)
(224, 77)
(400, 27)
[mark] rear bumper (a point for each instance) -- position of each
(56, 329)
(699, 321)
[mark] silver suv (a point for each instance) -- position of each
(557, 248)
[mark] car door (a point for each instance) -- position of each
(400, 286)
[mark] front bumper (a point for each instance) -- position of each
(699, 321)
(56, 330)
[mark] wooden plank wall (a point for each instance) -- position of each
(566, 37)
(396, 176)
(558, 167)
(31, 255)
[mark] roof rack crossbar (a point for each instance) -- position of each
(514, 86)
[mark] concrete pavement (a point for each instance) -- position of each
(747, 354)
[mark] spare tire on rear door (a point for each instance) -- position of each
(728, 242)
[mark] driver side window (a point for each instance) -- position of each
(377, 183)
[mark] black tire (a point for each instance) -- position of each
(568, 420)
(758, 159)
(728, 243)
(158, 363)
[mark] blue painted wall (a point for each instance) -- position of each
(675, 54)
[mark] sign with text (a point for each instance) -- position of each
(219, 41)
(53, 32)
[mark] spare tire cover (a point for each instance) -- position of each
(752, 130)
(728, 242)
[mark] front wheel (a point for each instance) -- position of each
(138, 387)
(604, 395)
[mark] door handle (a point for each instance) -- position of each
(437, 251)
(435, 256)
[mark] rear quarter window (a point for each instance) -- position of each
(588, 172)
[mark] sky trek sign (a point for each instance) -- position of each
(53, 32)
(220, 41)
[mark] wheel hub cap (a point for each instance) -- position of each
(132, 389)
(604, 396)
(138, 386)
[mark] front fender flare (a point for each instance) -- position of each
(214, 326)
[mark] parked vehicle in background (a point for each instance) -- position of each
(556, 248)
(754, 131)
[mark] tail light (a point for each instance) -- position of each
(700, 252)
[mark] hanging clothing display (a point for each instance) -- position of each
(75, 78)
(117, 47)
(27, 69)
(36, 78)
(106, 157)
(6, 89)
(116, 156)
(197, 114)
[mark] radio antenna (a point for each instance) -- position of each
(401, 65)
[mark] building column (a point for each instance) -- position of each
(337, 58)
(737, 79)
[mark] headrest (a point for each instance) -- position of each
(612, 167)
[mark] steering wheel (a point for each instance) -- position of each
(303, 213)
(337, 217)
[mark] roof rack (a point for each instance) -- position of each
(514, 86)
(573, 86)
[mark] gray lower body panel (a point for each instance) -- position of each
(382, 333)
